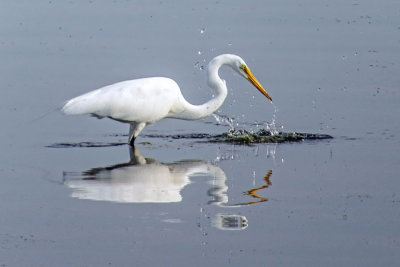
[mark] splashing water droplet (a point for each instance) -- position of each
(224, 119)
(199, 52)
(271, 151)
(271, 126)
(198, 66)
(203, 30)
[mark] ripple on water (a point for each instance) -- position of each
(233, 136)
(85, 144)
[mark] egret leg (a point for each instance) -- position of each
(132, 141)
(134, 131)
(136, 156)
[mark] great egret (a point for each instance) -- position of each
(145, 101)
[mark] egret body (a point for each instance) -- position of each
(142, 102)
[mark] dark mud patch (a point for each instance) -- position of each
(239, 137)
(244, 137)
(85, 144)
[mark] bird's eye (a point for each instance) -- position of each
(243, 67)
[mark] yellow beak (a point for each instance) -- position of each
(254, 81)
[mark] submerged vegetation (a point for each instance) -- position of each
(233, 136)
(264, 136)
(243, 137)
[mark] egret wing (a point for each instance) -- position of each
(141, 100)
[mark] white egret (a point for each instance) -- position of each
(145, 101)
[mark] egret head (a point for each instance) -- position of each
(238, 65)
(246, 73)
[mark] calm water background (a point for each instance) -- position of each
(331, 67)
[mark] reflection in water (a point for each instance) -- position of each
(230, 222)
(253, 192)
(143, 180)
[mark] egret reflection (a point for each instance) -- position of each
(143, 180)
(230, 222)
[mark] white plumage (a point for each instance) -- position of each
(134, 100)
(145, 101)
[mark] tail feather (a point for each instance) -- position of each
(72, 108)
(83, 104)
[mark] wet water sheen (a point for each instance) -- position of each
(311, 179)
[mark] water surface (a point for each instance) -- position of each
(330, 68)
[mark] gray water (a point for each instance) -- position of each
(330, 67)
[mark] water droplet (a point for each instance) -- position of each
(198, 66)
(199, 52)
(271, 126)
(203, 30)
(224, 119)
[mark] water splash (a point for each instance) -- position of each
(267, 132)
(235, 128)
(222, 119)
(271, 126)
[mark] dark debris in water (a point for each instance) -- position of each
(264, 136)
(240, 137)
(182, 136)
(84, 144)
(244, 137)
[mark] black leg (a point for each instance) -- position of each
(132, 142)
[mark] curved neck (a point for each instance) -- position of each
(193, 112)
